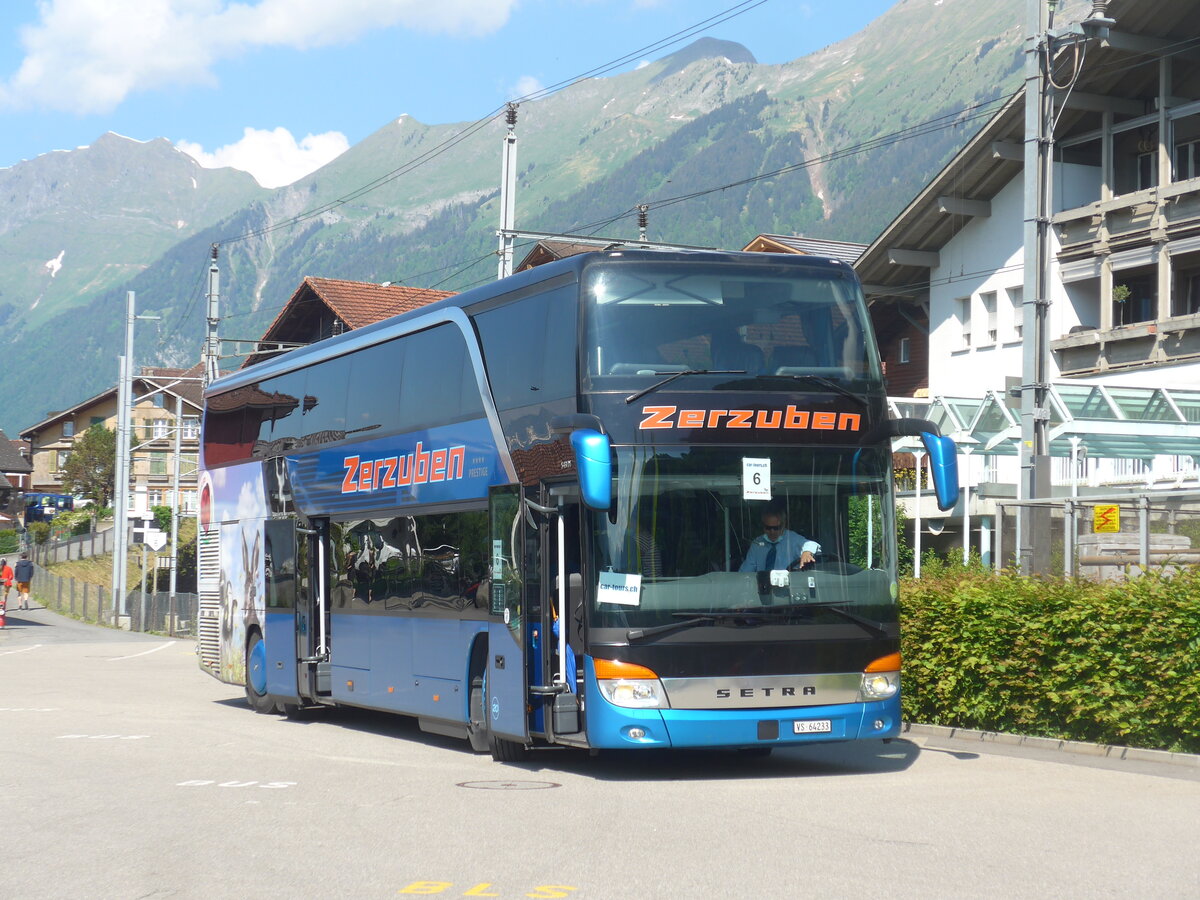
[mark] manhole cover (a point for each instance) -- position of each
(509, 785)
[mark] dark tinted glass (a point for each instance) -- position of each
(435, 387)
(323, 407)
(223, 441)
(431, 563)
(373, 402)
(283, 420)
(650, 319)
(419, 381)
(529, 348)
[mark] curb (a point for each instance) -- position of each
(1077, 748)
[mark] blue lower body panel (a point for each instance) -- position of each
(613, 727)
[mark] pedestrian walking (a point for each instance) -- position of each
(24, 574)
(6, 581)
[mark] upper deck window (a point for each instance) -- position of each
(647, 319)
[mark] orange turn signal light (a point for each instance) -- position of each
(889, 663)
(611, 668)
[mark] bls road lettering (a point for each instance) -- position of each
(793, 419)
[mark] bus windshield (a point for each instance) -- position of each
(758, 320)
(683, 539)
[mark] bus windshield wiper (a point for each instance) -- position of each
(687, 620)
(837, 607)
(654, 387)
(830, 385)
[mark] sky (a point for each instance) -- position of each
(278, 88)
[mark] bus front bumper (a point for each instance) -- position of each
(614, 727)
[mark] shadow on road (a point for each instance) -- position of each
(20, 621)
(811, 760)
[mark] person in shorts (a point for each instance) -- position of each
(24, 575)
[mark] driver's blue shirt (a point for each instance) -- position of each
(787, 551)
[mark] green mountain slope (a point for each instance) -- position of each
(704, 118)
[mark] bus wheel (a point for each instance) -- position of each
(477, 728)
(504, 750)
(256, 676)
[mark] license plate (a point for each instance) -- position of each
(812, 726)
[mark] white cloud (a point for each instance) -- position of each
(525, 86)
(274, 158)
(86, 56)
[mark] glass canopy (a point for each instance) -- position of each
(1111, 422)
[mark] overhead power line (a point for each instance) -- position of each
(474, 127)
(468, 131)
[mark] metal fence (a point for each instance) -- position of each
(144, 611)
(81, 547)
(1108, 537)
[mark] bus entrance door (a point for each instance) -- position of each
(562, 619)
(506, 699)
(312, 611)
(279, 557)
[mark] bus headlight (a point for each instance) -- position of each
(629, 685)
(880, 685)
(881, 679)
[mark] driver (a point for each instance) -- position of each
(777, 547)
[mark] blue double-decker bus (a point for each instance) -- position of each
(629, 499)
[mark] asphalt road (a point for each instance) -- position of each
(127, 772)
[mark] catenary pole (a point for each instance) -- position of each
(120, 489)
(212, 341)
(508, 193)
(175, 503)
(1033, 524)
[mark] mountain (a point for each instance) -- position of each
(704, 48)
(823, 145)
(75, 223)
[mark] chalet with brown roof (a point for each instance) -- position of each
(323, 307)
(548, 250)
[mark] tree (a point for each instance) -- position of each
(90, 469)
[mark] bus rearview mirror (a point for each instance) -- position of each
(943, 467)
(593, 463)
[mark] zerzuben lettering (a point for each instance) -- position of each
(790, 419)
(419, 467)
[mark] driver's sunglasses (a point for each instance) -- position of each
(773, 527)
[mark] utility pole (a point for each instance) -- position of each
(508, 192)
(121, 485)
(120, 573)
(175, 506)
(1043, 41)
(1033, 533)
(212, 342)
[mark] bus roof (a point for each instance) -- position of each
(571, 267)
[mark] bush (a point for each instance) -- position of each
(69, 524)
(39, 532)
(9, 541)
(162, 518)
(1114, 663)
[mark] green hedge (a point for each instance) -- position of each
(1113, 663)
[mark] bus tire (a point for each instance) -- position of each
(504, 750)
(256, 676)
(477, 726)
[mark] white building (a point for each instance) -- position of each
(1123, 318)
